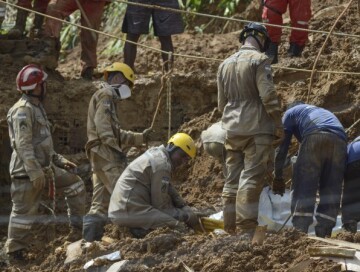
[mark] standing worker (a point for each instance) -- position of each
(166, 23)
(21, 16)
(35, 165)
(91, 13)
(350, 205)
(144, 197)
(300, 15)
(320, 165)
(252, 120)
(105, 141)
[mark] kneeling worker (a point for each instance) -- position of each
(144, 198)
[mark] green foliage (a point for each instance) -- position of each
(228, 6)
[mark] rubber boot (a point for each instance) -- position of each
(87, 73)
(93, 227)
(229, 214)
(37, 30)
(18, 30)
(323, 231)
(295, 50)
(272, 52)
(139, 232)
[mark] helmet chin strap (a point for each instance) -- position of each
(259, 43)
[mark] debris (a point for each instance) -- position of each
(73, 252)
(115, 256)
(188, 269)
(118, 266)
(315, 251)
(336, 242)
(300, 267)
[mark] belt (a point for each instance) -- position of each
(21, 177)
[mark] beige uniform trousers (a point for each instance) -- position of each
(26, 208)
(104, 179)
(256, 150)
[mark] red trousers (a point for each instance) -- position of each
(93, 10)
(300, 14)
(39, 5)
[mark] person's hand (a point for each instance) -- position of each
(148, 134)
(39, 183)
(192, 219)
(278, 186)
(70, 166)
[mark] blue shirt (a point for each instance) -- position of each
(300, 121)
(305, 119)
(353, 151)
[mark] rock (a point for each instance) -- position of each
(73, 252)
(117, 267)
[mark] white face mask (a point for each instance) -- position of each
(123, 91)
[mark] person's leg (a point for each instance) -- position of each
(93, 11)
(350, 204)
(305, 182)
(300, 14)
(25, 207)
(167, 45)
(256, 155)
(130, 49)
(330, 189)
(39, 6)
(18, 30)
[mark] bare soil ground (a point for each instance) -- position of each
(194, 96)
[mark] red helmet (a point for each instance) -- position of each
(29, 77)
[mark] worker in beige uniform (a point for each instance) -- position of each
(252, 120)
(105, 142)
(144, 197)
(35, 165)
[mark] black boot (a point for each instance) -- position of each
(295, 50)
(139, 232)
(272, 52)
(18, 30)
(323, 231)
(93, 227)
(87, 73)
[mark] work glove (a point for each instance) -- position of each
(39, 183)
(148, 134)
(192, 219)
(70, 166)
(278, 186)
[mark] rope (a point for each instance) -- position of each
(234, 19)
(162, 51)
(353, 125)
(168, 85)
(322, 48)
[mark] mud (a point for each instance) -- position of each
(194, 97)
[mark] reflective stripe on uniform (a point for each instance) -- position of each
(303, 214)
(21, 223)
(74, 189)
(326, 217)
(302, 23)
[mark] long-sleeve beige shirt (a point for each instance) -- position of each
(31, 140)
(105, 137)
(246, 93)
(143, 196)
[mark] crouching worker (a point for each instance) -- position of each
(144, 198)
(350, 206)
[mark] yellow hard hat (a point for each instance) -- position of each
(185, 142)
(120, 67)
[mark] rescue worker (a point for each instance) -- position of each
(2, 14)
(165, 23)
(252, 120)
(320, 165)
(93, 10)
(350, 203)
(144, 197)
(300, 14)
(38, 5)
(35, 165)
(105, 142)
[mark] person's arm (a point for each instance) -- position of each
(22, 126)
(222, 100)
(280, 155)
(131, 138)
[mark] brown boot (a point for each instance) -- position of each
(18, 30)
(229, 214)
(37, 29)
